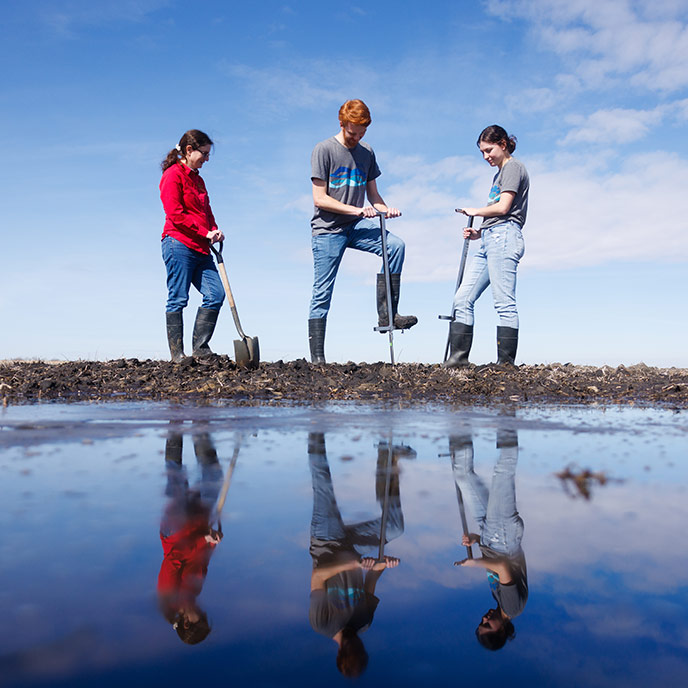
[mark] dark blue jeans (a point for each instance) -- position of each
(328, 250)
(186, 267)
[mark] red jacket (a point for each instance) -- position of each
(188, 217)
(185, 564)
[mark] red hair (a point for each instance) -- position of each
(355, 112)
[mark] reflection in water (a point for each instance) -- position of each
(187, 534)
(342, 599)
(501, 531)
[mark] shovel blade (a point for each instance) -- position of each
(247, 352)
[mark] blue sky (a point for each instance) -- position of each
(95, 93)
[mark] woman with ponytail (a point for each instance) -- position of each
(189, 230)
(501, 249)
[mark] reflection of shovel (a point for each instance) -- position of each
(462, 509)
(246, 350)
(225, 488)
(385, 502)
(459, 279)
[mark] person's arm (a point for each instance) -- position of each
(324, 201)
(377, 202)
(501, 207)
(499, 566)
(324, 573)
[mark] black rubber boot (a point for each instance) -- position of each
(316, 339)
(460, 342)
(507, 343)
(203, 331)
(175, 335)
(401, 322)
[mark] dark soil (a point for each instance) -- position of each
(299, 381)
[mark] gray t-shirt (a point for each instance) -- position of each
(512, 177)
(346, 171)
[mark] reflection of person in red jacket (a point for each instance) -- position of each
(188, 539)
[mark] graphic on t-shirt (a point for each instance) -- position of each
(344, 176)
(344, 598)
(494, 195)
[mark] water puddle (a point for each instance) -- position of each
(146, 544)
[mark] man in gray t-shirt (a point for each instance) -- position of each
(343, 173)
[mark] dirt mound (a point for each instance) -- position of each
(219, 379)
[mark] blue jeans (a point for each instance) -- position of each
(328, 530)
(328, 250)
(186, 267)
(495, 263)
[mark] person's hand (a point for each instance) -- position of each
(471, 233)
(470, 539)
(393, 212)
(368, 211)
(372, 564)
(470, 212)
(215, 235)
(213, 537)
(468, 563)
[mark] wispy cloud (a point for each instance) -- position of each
(67, 18)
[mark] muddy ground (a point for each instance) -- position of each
(299, 381)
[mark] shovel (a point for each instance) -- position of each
(385, 264)
(246, 350)
(459, 279)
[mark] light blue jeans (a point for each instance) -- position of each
(495, 263)
(328, 250)
(494, 510)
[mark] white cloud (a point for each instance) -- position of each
(613, 125)
(612, 39)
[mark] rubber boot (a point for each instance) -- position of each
(175, 335)
(401, 322)
(203, 331)
(507, 343)
(460, 342)
(316, 339)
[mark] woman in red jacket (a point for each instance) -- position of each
(189, 230)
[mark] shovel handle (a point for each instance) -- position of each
(228, 289)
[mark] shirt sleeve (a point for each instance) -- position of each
(511, 178)
(171, 195)
(320, 163)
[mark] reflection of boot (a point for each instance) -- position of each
(316, 442)
(204, 449)
(316, 339)
(507, 342)
(507, 437)
(401, 322)
(204, 327)
(175, 335)
(173, 447)
(460, 342)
